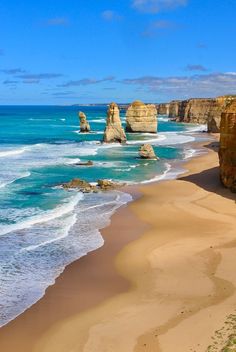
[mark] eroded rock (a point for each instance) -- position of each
(146, 151)
(84, 125)
(227, 151)
(141, 117)
(114, 131)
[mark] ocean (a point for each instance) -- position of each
(43, 227)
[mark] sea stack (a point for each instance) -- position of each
(141, 117)
(114, 131)
(146, 151)
(227, 152)
(84, 125)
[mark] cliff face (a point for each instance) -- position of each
(163, 109)
(214, 118)
(114, 131)
(197, 110)
(227, 152)
(141, 118)
(174, 109)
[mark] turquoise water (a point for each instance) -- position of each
(43, 228)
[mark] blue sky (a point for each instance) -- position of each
(95, 51)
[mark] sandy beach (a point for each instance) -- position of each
(163, 281)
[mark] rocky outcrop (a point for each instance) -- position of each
(114, 131)
(163, 109)
(146, 151)
(86, 163)
(227, 151)
(80, 185)
(201, 111)
(86, 187)
(141, 117)
(107, 185)
(84, 125)
(214, 118)
(196, 110)
(174, 109)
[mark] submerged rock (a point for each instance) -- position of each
(227, 152)
(141, 117)
(84, 125)
(146, 151)
(87, 163)
(114, 131)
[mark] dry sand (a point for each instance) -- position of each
(164, 281)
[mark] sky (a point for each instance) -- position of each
(98, 51)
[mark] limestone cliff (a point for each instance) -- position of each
(227, 152)
(174, 109)
(163, 108)
(214, 118)
(141, 117)
(114, 131)
(202, 110)
(84, 125)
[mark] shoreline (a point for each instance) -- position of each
(33, 331)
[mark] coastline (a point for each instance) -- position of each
(106, 300)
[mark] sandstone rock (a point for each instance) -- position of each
(114, 131)
(81, 185)
(163, 109)
(227, 152)
(174, 109)
(141, 117)
(86, 187)
(84, 125)
(146, 151)
(106, 185)
(216, 111)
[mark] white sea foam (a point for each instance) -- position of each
(12, 152)
(169, 174)
(15, 177)
(42, 218)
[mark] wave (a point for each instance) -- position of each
(12, 152)
(44, 217)
(98, 120)
(198, 128)
(23, 175)
(170, 173)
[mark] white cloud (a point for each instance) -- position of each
(196, 85)
(155, 6)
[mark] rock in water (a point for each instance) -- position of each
(114, 131)
(81, 185)
(227, 152)
(141, 117)
(84, 125)
(146, 151)
(107, 185)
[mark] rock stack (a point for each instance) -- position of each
(84, 125)
(141, 117)
(227, 152)
(114, 131)
(146, 151)
(163, 109)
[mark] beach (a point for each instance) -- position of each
(163, 281)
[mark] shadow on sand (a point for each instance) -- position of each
(209, 179)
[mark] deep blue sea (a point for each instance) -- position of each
(43, 228)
